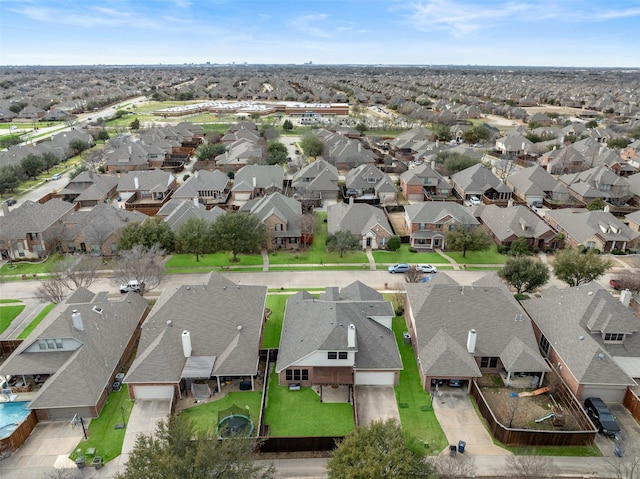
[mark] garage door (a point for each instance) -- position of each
(606, 394)
(377, 378)
(153, 392)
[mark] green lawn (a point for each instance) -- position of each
(211, 260)
(273, 327)
(487, 256)
(300, 413)
(403, 255)
(414, 404)
(36, 321)
(205, 416)
(29, 268)
(106, 440)
(9, 301)
(8, 313)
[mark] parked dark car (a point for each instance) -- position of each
(602, 418)
(10, 201)
(455, 383)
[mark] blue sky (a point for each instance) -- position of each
(579, 33)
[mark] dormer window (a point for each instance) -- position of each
(372, 180)
(613, 337)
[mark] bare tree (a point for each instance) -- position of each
(142, 264)
(398, 298)
(62, 473)
(455, 467)
(627, 466)
(97, 233)
(413, 275)
(51, 291)
(83, 273)
(306, 228)
(531, 467)
(504, 167)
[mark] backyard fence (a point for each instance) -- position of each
(632, 403)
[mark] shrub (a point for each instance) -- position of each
(521, 296)
(412, 249)
(502, 249)
(394, 243)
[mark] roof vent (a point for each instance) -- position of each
(169, 323)
(97, 309)
(239, 327)
(601, 356)
(76, 320)
(581, 338)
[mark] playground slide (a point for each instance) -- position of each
(544, 418)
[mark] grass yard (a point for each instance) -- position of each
(300, 413)
(403, 255)
(106, 440)
(205, 416)
(9, 312)
(29, 268)
(414, 404)
(273, 327)
(36, 321)
(187, 261)
(487, 256)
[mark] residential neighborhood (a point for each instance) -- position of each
(229, 259)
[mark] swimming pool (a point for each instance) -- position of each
(11, 415)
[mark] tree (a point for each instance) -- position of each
(525, 274)
(32, 165)
(591, 124)
(269, 132)
(377, 451)
(311, 145)
(276, 153)
(192, 237)
(209, 151)
(475, 134)
(596, 204)
(620, 142)
(630, 281)
(342, 241)
(394, 243)
(140, 263)
(102, 135)
(413, 275)
(361, 128)
(135, 124)
(287, 125)
(62, 473)
(531, 466)
(441, 132)
(520, 247)
(77, 146)
(467, 239)
(238, 232)
(504, 167)
(10, 178)
(454, 162)
(576, 268)
(50, 160)
(51, 291)
(627, 466)
(149, 232)
(178, 450)
(455, 467)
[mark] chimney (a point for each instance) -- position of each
(509, 203)
(186, 343)
(625, 298)
(195, 202)
(351, 336)
(350, 200)
(136, 183)
(76, 320)
(433, 165)
(254, 181)
(471, 341)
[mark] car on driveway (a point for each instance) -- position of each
(475, 201)
(615, 284)
(455, 383)
(10, 201)
(426, 268)
(601, 416)
(399, 268)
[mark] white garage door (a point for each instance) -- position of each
(153, 392)
(606, 394)
(377, 378)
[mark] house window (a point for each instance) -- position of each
(42, 344)
(114, 248)
(332, 355)
(20, 249)
(342, 355)
(544, 345)
(488, 362)
(59, 343)
(590, 244)
(51, 344)
(278, 227)
(422, 226)
(452, 227)
(605, 187)
(438, 226)
(614, 337)
(34, 236)
(297, 374)
(71, 246)
(372, 180)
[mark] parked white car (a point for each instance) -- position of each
(426, 268)
(133, 285)
(475, 201)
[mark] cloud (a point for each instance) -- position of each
(310, 24)
(461, 18)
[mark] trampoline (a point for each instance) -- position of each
(234, 422)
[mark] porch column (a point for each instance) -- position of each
(508, 378)
(218, 382)
(541, 379)
(252, 385)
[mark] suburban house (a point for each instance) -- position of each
(282, 217)
(479, 181)
(405, 145)
(342, 152)
(424, 183)
(514, 145)
(146, 191)
(535, 184)
(88, 189)
(241, 130)
(342, 338)
(239, 154)
(96, 231)
(429, 222)
(598, 183)
(317, 180)
(590, 338)
(73, 361)
(368, 182)
(255, 181)
(506, 225)
(132, 156)
(563, 160)
(592, 229)
(33, 230)
(175, 212)
(462, 332)
(633, 221)
(209, 188)
(366, 222)
(197, 333)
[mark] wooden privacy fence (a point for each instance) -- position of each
(632, 403)
(298, 444)
(528, 437)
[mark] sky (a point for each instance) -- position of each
(569, 33)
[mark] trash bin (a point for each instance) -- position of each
(407, 337)
(452, 450)
(461, 446)
(80, 462)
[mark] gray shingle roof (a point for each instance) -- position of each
(430, 212)
(583, 225)
(202, 181)
(212, 313)
(148, 180)
(266, 176)
(477, 179)
(516, 220)
(32, 217)
(358, 218)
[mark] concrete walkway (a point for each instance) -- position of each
(460, 422)
(265, 260)
(372, 261)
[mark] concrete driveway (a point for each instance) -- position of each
(460, 422)
(375, 403)
(628, 427)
